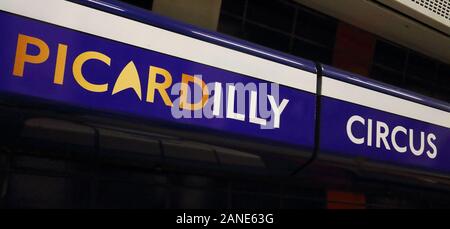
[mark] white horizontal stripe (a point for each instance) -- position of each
(377, 100)
(96, 22)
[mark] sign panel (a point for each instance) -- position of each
(358, 122)
(150, 73)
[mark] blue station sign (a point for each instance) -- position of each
(366, 119)
(134, 64)
(82, 57)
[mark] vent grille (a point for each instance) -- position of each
(437, 7)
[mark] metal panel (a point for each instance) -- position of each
(435, 13)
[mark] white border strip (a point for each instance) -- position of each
(377, 100)
(96, 22)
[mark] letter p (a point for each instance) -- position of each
(21, 53)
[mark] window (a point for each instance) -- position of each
(280, 25)
(405, 68)
(294, 29)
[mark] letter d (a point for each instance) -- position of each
(21, 53)
(184, 104)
